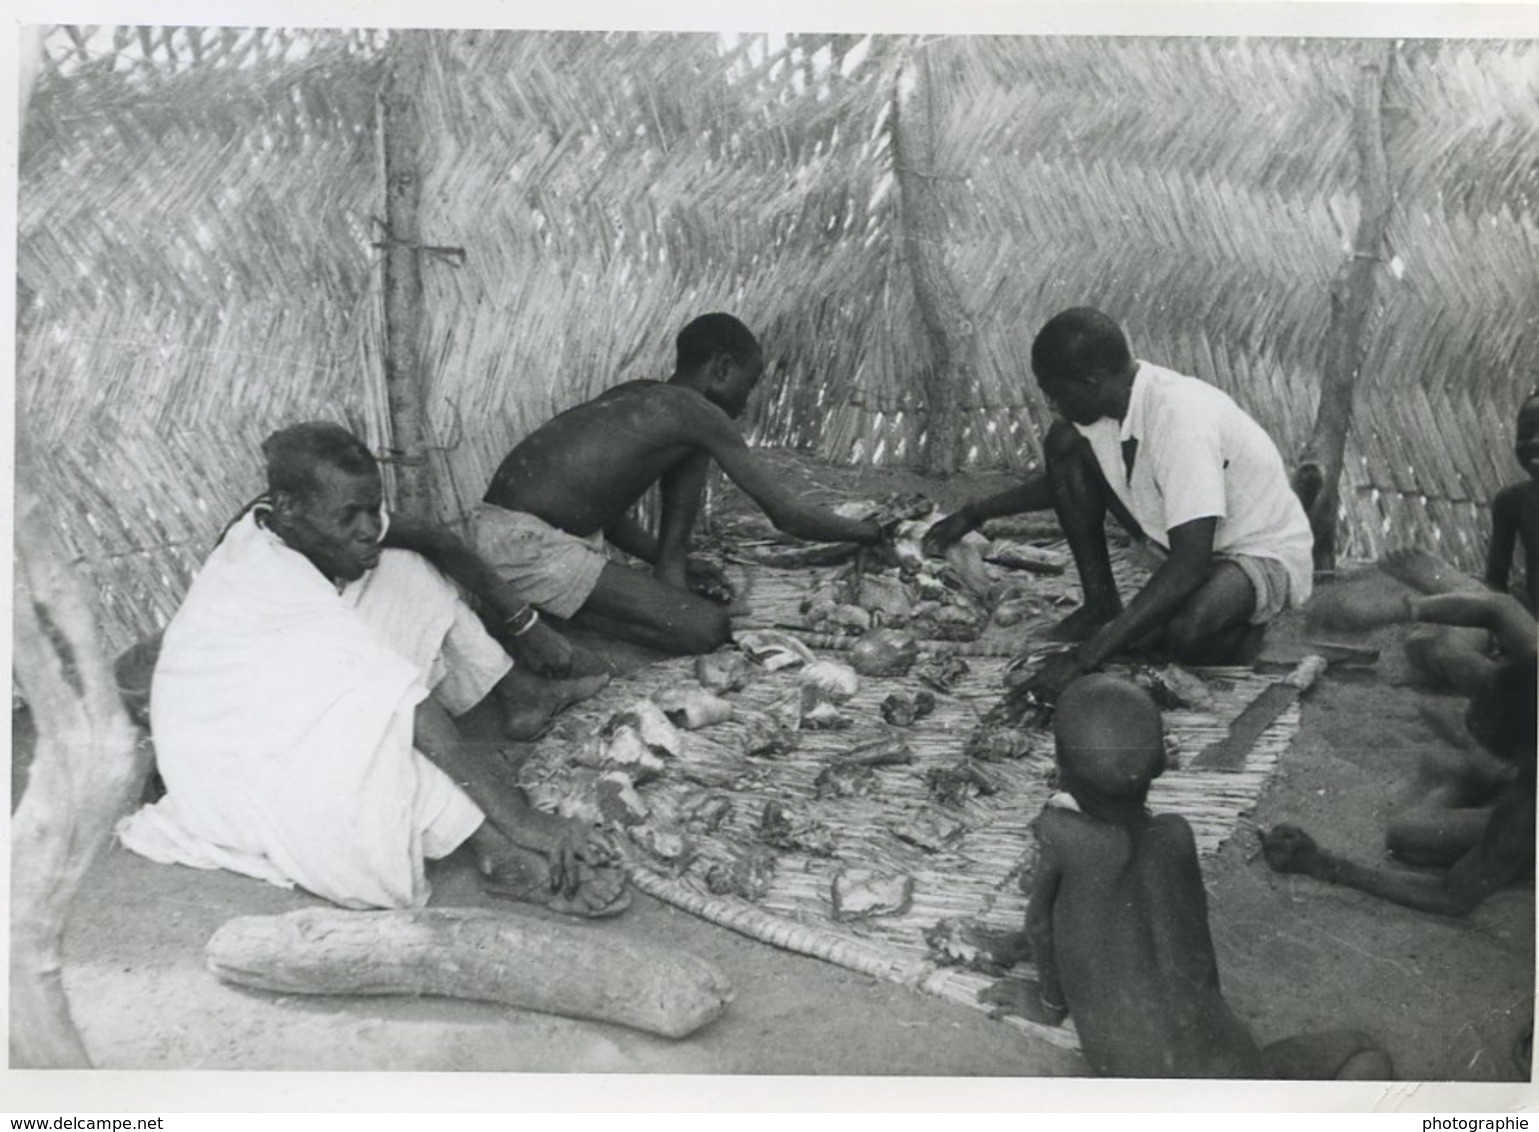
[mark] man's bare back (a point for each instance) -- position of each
(588, 466)
(578, 476)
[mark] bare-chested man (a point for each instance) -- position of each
(1180, 465)
(570, 485)
(1118, 919)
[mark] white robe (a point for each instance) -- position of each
(282, 713)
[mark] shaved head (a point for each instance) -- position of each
(1109, 736)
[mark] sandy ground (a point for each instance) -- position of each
(1446, 997)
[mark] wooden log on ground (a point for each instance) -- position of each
(474, 953)
(1318, 476)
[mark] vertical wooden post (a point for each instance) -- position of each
(83, 775)
(948, 325)
(1318, 478)
(405, 379)
(85, 764)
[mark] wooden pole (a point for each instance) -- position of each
(405, 379)
(949, 326)
(84, 772)
(1318, 478)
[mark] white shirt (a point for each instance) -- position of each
(1201, 456)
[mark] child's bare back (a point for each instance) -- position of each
(1118, 917)
(1134, 957)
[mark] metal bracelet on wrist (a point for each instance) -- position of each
(522, 620)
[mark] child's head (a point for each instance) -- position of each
(1109, 738)
(1526, 442)
(1502, 715)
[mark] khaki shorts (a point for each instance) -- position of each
(550, 569)
(1268, 577)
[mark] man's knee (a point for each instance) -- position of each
(1063, 444)
(1192, 637)
(718, 630)
(706, 629)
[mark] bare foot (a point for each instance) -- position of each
(1082, 622)
(532, 703)
(1426, 572)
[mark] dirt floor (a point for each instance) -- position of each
(1446, 997)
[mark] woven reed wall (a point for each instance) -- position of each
(196, 263)
(195, 272)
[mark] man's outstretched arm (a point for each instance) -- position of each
(1031, 494)
(779, 500)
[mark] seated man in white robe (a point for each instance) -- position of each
(302, 709)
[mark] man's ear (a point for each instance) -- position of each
(720, 368)
(284, 504)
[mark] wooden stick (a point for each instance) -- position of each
(1319, 473)
(404, 378)
(84, 771)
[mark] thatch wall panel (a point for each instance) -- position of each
(196, 268)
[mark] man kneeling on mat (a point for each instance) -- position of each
(302, 710)
(1118, 919)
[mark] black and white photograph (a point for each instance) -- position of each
(805, 545)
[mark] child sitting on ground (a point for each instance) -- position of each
(1118, 919)
(1476, 819)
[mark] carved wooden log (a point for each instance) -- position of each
(1318, 478)
(84, 771)
(475, 953)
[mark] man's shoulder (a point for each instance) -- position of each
(1171, 387)
(1520, 493)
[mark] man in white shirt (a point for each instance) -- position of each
(1183, 468)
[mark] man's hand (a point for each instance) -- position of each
(947, 531)
(1288, 849)
(1023, 998)
(542, 650)
(1054, 673)
(576, 841)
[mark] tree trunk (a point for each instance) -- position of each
(405, 382)
(1318, 478)
(481, 954)
(84, 771)
(953, 340)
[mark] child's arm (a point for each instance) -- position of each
(1501, 614)
(1041, 1000)
(1039, 925)
(1504, 854)
(1504, 538)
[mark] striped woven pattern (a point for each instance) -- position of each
(198, 219)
